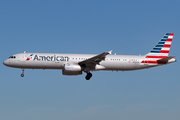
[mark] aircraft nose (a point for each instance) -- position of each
(5, 62)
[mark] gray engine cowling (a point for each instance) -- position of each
(71, 69)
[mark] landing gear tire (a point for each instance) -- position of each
(22, 75)
(88, 76)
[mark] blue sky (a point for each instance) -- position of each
(89, 26)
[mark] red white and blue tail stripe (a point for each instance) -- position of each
(160, 51)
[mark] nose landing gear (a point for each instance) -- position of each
(22, 75)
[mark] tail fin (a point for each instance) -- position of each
(161, 50)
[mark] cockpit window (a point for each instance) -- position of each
(12, 57)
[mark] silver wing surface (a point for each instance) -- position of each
(91, 62)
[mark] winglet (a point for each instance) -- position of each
(110, 52)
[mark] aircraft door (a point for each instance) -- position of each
(23, 58)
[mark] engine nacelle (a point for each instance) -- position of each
(71, 69)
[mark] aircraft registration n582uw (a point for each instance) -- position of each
(75, 64)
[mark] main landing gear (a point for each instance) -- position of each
(88, 76)
(22, 75)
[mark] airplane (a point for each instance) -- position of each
(75, 64)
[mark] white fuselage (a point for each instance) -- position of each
(57, 61)
(75, 64)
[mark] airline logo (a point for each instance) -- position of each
(164, 44)
(51, 58)
(28, 58)
(160, 51)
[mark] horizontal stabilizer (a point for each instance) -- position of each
(164, 60)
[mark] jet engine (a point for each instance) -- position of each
(71, 69)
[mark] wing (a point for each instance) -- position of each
(94, 60)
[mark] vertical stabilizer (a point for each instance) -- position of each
(161, 50)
